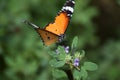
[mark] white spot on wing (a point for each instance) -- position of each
(67, 8)
(73, 2)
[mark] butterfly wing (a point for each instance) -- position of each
(60, 24)
(62, 19)
(47, 37)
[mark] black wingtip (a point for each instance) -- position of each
(68, 7)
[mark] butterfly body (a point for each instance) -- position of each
(54, 32)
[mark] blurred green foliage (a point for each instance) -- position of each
(22, 54)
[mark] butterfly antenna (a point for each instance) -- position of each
(68, 7)
(31, 24)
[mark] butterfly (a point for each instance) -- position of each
(54, 32)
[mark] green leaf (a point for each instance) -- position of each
(82, 54)
(57, 64)
(61, 49)
(84, 73)
(53, 54)
(90, 66)
(77, 74)
(62, 54)
(74, 43)
(59, 74)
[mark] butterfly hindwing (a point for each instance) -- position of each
(47, 37)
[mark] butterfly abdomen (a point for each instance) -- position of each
(68, 8)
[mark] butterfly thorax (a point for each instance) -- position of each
(61, 37)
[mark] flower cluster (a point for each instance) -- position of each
(73, 59)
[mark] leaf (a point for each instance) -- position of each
(84, 73)
(62, 54)
(74, 43)
(53, 54)
(90, 66)
(82, 54)
(57, 64)
(59, 73)
(61, 49)
(77, 74)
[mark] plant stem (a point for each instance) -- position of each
(69, 74)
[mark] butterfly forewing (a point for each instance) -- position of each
(61, 21)
(60, 24)
(47, 37)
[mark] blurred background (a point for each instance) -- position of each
(22, 54)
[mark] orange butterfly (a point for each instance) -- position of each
(54, 32)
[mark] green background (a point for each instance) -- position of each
(22, 54)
